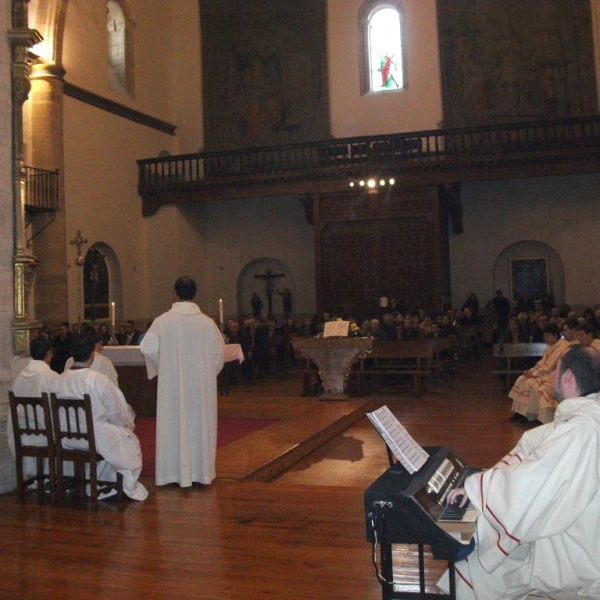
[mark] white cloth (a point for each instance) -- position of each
(185, 349)
(538, 528)
(34, 379)
(526, 390)
(113, 426)
(100, 364)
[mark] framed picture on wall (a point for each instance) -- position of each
(528, 278)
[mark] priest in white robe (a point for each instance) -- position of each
(528, 387)
(185, 349)
(113, 419)
(538, 525)
(34, 379)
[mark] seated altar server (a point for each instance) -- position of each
(113, 418)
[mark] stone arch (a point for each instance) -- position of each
(248, 283)
(530, 249)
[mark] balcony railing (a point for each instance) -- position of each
(440, 150)
(41, 190)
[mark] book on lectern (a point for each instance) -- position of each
(399, 441)
(336, 329)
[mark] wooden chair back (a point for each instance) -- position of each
(34, 438)
(76, 444)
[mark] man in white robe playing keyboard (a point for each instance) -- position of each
(538, 525)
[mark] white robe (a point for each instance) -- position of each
(33, 380)
(538, 528)
(113, 426)
(100, 364)
(185, 349)
(526, 390)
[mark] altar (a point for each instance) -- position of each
(140, 391)
(334, 357)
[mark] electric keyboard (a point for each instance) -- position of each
(401, 508)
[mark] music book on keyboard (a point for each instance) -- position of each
(399, 441)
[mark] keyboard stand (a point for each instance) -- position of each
(387, 569)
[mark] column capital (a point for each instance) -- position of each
(47, 71)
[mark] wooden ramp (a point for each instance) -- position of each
(271, 450)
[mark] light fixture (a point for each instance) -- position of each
(372, 182)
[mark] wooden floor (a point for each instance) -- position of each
(278, 523)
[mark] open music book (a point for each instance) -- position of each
(400, 442)
(336, 329)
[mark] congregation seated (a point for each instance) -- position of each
(308, 328)
(514, 334)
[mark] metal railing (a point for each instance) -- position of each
(41, 190)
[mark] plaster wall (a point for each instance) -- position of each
(418, 107)
(560, 212)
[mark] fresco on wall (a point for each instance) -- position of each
(515, 60)
(264, 72)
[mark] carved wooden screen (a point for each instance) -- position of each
(387, 244)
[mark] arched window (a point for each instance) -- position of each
(95, 285)
(120, 48)
(382, 63)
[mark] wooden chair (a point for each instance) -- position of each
(74, 426)
(31, 416)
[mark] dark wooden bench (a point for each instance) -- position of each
(506, 355)
(398, 360)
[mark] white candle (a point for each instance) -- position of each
(112, 314)
(221, 311)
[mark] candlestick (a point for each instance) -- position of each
(112, 314)
(221, 311)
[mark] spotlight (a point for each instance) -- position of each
(382, 182)
(352, 184)
(361, 183)
(371, 183)
(392, 181)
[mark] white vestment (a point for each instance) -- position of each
(185, 349)
(113, 426)
(526, 390)
(538, 526)
(100, 364)
(35, 379)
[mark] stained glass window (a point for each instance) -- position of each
(384, 59)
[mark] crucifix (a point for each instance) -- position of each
(268, 277)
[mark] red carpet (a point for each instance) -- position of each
(228, 430)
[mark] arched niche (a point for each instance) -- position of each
(101, 282)
(256, 276)
(526, 252)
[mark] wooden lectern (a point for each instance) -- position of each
(334, 357)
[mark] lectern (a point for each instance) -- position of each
(334, 357)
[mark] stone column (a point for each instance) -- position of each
(21, 39)
(47, 152)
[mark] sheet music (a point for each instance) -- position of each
(336, 329)
(401, 443)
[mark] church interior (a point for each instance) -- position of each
(244, 144)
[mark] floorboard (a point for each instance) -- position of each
(299, 533)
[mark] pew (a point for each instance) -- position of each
(396, 361)
(506, 354)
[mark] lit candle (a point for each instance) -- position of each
(112, 314)
(221, 311)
